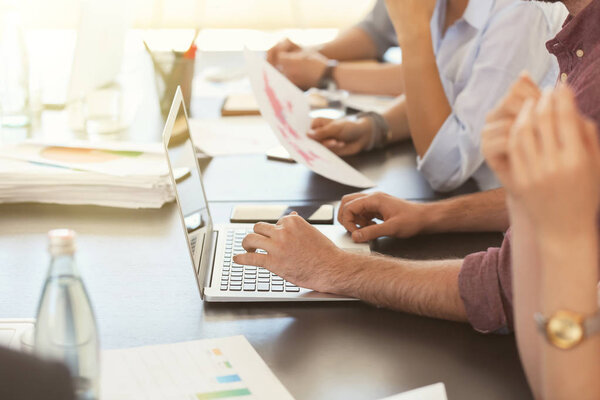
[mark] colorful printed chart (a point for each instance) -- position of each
(201, 370)
(286, 109)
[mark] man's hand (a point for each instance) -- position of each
(342, 136)
(303, 68)
(410, 17)
(285, 46)
(297, 252)
(494, 137)
(555, 165)
(400, 218)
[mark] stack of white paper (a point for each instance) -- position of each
(83, 175)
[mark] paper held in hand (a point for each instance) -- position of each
(286, 109)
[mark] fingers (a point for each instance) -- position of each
(254, 241)
(494, 138)
(521, 153)
(324, 131)
(347, 198)
(320, 122)
(256, 259)
(283, 46)
(372, 232)
(509, 107)
(264, 229)
(546, 126)
(568, 119)
(356, 208)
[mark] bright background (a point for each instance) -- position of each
(252, 14)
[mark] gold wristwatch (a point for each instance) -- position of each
(566, 329)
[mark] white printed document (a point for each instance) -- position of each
(232, 135)
(431, 392)
(225, 369)
(286, 109)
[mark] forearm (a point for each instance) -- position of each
(477, 212)
(352, 44)
(397, 120)
(428, 288)
(526, 294)
(370, 78)
(570, 283)
(427, 105)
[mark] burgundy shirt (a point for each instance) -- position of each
(485, 280)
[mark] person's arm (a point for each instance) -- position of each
(552, 177)
(370, 78)
(526, 294)
(570, 283)
(305, 69)
(427, 105)
(428, 288)
(301, 254)
(478, 212)
(352, 44)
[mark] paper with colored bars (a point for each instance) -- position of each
(224, 369)
(286, 109)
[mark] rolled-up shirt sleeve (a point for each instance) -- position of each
(506, 49)
(379, 27)
(485, 286)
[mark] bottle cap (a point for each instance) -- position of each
(61, 241)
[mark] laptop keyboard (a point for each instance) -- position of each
(245, 278)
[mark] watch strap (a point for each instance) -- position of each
(327, 80)
(379, 132)
(592, 325)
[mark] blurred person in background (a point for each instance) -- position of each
(459, 58)
(335, 60)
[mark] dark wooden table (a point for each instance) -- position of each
(142, 286)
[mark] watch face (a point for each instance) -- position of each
(564, 331)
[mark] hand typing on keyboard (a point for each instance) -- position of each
(297, 252)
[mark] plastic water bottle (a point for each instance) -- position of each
(66, 328)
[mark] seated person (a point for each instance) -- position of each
(477, 289)
(368, 40)
(551, 172)
(460, 58)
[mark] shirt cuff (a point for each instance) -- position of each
(485, 287)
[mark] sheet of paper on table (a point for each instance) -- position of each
(84, 176)
(286, 109)
(432, 392)
(227, 368)
(232, 135)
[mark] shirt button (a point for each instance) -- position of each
(563, 77)
(579, 53)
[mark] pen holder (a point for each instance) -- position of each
(172, 69)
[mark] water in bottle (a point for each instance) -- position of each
(65, 327)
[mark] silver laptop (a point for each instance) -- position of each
(212, 247)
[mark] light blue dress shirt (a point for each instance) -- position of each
(478, 58)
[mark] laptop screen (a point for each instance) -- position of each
(188, 184)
